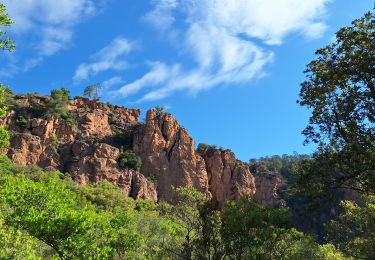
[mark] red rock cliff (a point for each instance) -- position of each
(87, 147)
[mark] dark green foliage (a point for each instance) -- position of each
(252, 230)
(203, 147)
(159, 109)
(152, 178)
(6, 43)
(128, 159)
(354, 230)
(70, 119)
(47, 216)
(4, 137)
(21, 122)
(123, 138)
(92, 91)
(340, 91)
(54, 143)
(57, 104)
(284, 164)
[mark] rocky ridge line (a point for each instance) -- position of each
(89, 151)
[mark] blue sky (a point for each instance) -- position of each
(228, 70)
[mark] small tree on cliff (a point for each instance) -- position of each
(58, 102)
(92, 91)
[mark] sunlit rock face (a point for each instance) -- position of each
(87, 146)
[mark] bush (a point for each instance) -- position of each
(160, 109)
(58, 102)
(129, 159)
(70, 119)
(123, 138)
(4, 136)
(55, 143)
(21, 121)
(203, 147)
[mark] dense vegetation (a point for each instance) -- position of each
(47, 215)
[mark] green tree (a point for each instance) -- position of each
(253, 231)
(203, 147)
(250, 230)
(129, 159)
(185, 213)
(159, 109)
(6, 43)
(340, 91)
(15, 244)
(92, 91)
(57, 104)
(209, 243)
(354, 230)
(50, 212)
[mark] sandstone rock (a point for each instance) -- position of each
(267, 186)
(227, 177)
(26, 149)
(167, 152)
(119, 115)
(89, 152)
(106, 151)
(95, 125)
(102, 165)
(142, 188)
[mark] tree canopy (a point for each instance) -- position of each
(340, 91)
(6, 43)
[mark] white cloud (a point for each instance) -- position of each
(112, 82)
(108, 58)
(158, 73)
(315, 30)
(220, 37)
(50, 20)
(161, 16)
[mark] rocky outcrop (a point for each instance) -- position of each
(228, 178)
(93, 164)
(168, 153)
(267, 187)
(82, 149)
(88, 142)
(26, 149)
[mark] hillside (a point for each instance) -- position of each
(92, 141)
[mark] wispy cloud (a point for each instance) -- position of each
(162, 14)
(220, 37)
(53, 21)
(108, 58)
(48, 26)
(107, 84)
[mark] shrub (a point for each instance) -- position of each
(129, 159)
(70, 119)
(58, 102)
(4, 137)
(55, 143)
(203, 147)
(21, 121)
(123, 138)
(159, 109)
